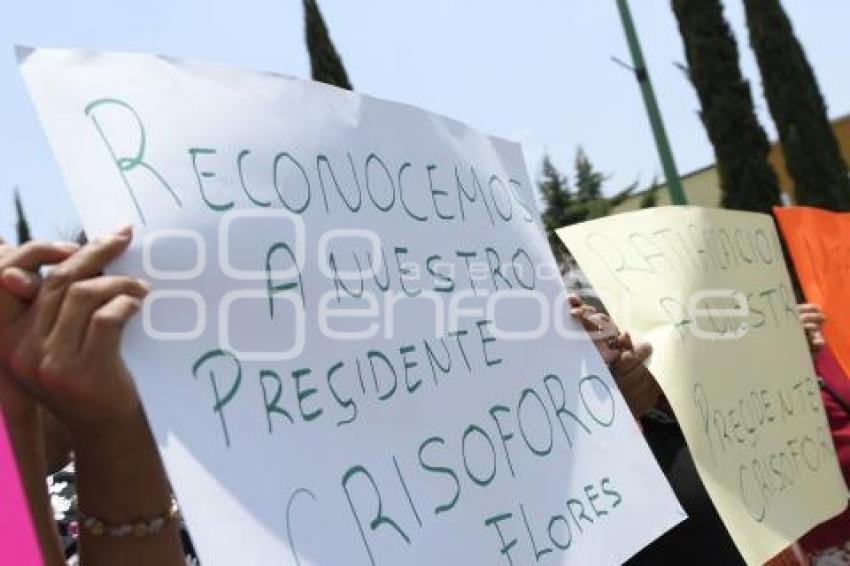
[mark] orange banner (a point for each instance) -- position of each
(819, 243)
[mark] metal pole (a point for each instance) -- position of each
(674, 184)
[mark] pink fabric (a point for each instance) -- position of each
(18, 542)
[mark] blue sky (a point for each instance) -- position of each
(539, 72)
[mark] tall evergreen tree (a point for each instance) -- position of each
(22, 226)
(811, 151)
(747, 181)
(559, 206)
(563, 206)
(588, 180)
(325, 63)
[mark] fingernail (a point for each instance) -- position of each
(123, 234)
(145, 285)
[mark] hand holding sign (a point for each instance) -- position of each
(812, 320)
(625, 359)
(21, 449)
(18, 275)
(68, 348)
(599, 327)
(634, 379)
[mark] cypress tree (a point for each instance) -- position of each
(325, 63)
(22, 226)
(811, 151)
(747, 182)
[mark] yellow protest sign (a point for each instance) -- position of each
(710, 291)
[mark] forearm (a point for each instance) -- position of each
(57, 443)
(25, 436)
(121, 480)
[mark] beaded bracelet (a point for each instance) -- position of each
(140, 529)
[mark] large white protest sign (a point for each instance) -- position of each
(355, 351)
